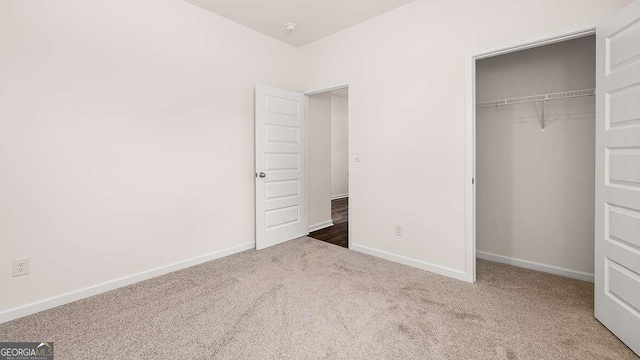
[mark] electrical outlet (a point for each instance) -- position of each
(20, 267)
(398, 229)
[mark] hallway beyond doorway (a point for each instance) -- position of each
(338, 234)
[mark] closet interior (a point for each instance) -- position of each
(535, 158)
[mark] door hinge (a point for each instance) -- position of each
(473, 181)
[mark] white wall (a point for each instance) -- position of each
(406, 68)
(339, 146)
(127, 129)
(127, 138)
(319, 160)
(535, 189)
(569, 65)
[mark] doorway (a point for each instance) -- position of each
(535, 163)
(290, 159)
(328, 161)
(471, 60)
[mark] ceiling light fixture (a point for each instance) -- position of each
(290, 27)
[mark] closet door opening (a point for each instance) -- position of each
(535, 161)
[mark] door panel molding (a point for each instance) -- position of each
(280, 190)
(617, 250)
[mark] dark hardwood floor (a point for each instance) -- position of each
(337, 234)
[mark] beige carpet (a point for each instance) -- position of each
(306, 299)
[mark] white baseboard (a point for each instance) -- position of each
(339, 196)
(54, 301)
(535, 266)
(320, 226)
(441, 270)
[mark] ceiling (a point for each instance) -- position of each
(315, 18)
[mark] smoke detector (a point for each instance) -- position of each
(290, 27)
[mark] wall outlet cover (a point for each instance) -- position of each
(20, 267)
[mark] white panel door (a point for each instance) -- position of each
(617, 278)
(280, 166)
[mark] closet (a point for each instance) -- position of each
(535, 158)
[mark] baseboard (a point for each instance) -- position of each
(339, 196)
(320, 226)
(441, 270)
(535, 266)
(54, 301)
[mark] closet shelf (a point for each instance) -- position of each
(537, 98)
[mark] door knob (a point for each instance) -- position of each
(262, 175)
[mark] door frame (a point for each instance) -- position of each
(546, 38)
(314, 91)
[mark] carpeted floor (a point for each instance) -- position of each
(307, 299)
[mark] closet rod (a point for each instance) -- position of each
(537, 98)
